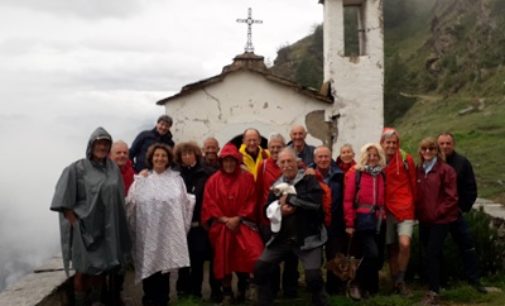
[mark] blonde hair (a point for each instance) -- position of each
(363, 156)
(430, 142)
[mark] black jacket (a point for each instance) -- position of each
(195, 178)
(306, 224)
(142, 142)
(467, 187)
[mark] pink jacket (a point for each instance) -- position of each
(371, 192)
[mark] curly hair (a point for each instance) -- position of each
(154, 147)
(187, 147)
(363, 157)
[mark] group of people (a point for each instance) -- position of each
(257, 211)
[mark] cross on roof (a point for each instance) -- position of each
(249, 46)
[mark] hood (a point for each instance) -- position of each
(99, 133)
(229, 150)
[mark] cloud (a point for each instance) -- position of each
(91, 9)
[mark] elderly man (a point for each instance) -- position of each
(251, 151)
(304, 151)
(160, 133)
(94, 232)
(467, 194)
(210, 150)
(119, 155)
(400, 194)
(301, 231)
(327, 171)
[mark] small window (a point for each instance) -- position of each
(353, 31)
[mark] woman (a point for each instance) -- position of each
(345, 160)
(94, 232)
(436, 207)
(195, 175)
(364, 215)
(159, 211)
(229, 210)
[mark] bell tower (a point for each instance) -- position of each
(354, 68)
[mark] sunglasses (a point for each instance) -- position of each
(427, 149)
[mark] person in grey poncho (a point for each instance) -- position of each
(94, 235)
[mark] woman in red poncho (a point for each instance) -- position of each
(229, 211)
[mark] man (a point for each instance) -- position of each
(330, 174)
(119, 155)
(251, 151)
(304, 151)
(301, 231)
(400, 195)
(210, 151)
(93, 226)
(160, 133)
(467, 194)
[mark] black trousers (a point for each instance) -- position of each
(460, 233)
(190, 279)
(270, 259)
(156, 289)
(372, 251)
(432, 238)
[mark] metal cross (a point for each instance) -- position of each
(249, 46)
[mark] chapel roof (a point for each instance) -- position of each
(251, 62)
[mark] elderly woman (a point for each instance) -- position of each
(159, 210)
(364, 215)
(436, 207)
(345, 160)
(94, 232)
(229, 210)
(195, 175)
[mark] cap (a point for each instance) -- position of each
(275, 216)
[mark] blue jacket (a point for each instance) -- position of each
(142, 142)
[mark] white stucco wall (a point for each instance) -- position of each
(242, 100)
(357, 84)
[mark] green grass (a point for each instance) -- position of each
(458, 294)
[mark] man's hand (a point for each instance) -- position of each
(144, 173)
(233, 223)
(70, 216)
(310, 171)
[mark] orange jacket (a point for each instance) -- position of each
(401, 186)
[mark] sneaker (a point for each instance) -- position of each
(430, 299)
(402, 289)
(354, 293)
(478, 287)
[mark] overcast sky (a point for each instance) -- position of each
(68, 66)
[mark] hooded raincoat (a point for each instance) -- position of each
(99, 241)
(232, 195)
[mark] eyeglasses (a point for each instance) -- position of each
(427, 149)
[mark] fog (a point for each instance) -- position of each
(67, 67)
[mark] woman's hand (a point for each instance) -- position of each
(70, 216)
(144, 173)
(349, 231)
(233, 223)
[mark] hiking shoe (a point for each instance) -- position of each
(430, 299)
(402, 289)
(354, 293)
(478, 287)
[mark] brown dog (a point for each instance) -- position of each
(344, 267)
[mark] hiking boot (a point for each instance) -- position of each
(354, 293)
(402, 289)
(430, 299)
(478, 287)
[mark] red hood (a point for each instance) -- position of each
(229, 150)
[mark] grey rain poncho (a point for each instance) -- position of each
(100, 239)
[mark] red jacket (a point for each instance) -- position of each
(127, 174)
(231, 195)
(400, 186)
(437, 195)
(367, 194)
(267, 173)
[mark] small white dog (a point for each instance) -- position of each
(282, 189)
